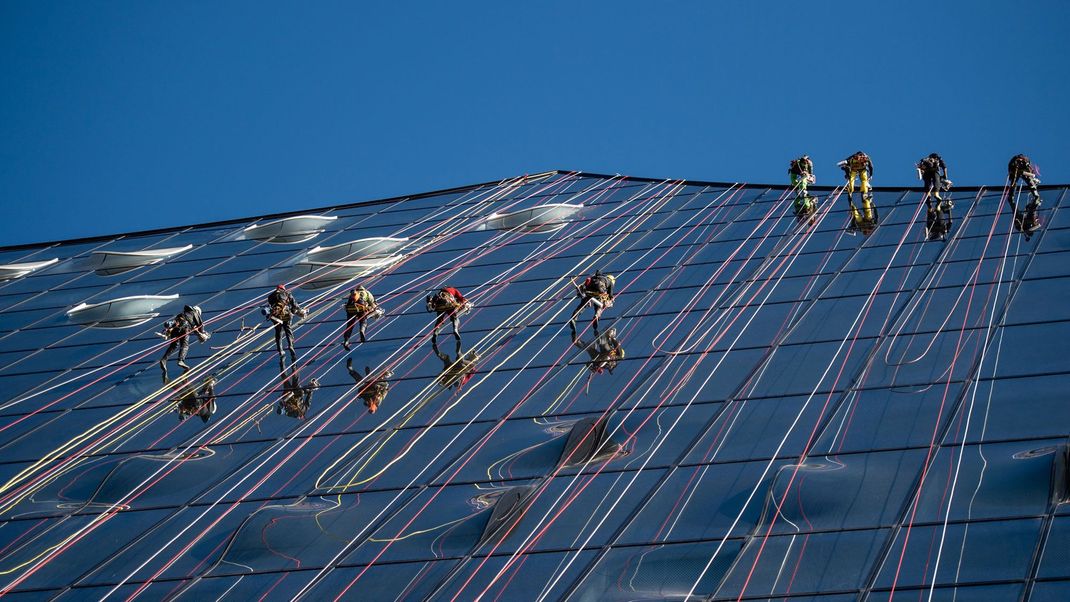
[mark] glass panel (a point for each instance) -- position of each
(847, 491)
(308, 533)
(1050, 591)
(871, 419)
(741, 431)
(1008, 409)
(527, 448)
(398, 581)
(356, 462)
(657, 572)
(1039, 301)
(801, 564)
(703, 502)
(803, 369)
(968, 552)
(1038, 349)
(1056, 559)
(526, 577)
(575, 512)
(910, 360)
(440, 522)
(986, 593)
(206, 530)
(23, 552)
(994, 480)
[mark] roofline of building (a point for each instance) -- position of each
(456, 189)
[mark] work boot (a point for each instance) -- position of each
(182, 364)
(345, 345)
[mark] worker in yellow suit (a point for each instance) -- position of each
(859, 166)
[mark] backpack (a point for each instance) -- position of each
(442, 301)
(280, 310)
(358, 302)
(597, 284)
(858, 161)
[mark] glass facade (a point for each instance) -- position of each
(772, 408)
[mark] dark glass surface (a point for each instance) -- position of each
(751, 410)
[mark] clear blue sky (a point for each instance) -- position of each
(139, 114)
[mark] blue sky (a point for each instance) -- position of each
(118, 116)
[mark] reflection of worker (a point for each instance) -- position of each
(456, 373)
(177, 330)
(296, 400)
(937, 222)
(360, 306)
(281, 309)
(191, 401)
(372, 390)
(447, 303)
(605, 351)
(596, 291)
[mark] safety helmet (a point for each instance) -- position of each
(281, 287)
(612, 279)
(360, 287)
(806, 156)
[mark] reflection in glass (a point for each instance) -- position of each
(663, 572)
(192, 399)
(364, 248)
(123, 312)
(296, 399)
(11, 271)
(550, 217)
(110, 263)
(288, 230)
(371, 390)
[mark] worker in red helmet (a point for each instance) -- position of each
(447, 303)
(597, 292)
